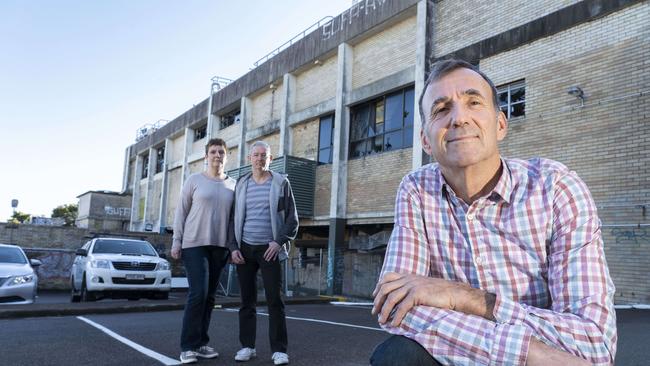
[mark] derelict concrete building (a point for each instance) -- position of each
(339, 109)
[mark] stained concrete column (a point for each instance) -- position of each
(338, 198)
(187, 145)
(148, 192)
(126, 171)
(162, 217)
(420, 70)
(288, 96)
(245, 110)
(135, 199)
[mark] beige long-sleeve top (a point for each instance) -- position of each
(203, 212)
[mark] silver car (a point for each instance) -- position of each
(18, 281)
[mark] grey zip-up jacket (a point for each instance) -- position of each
(284, 216)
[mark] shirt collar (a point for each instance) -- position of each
(503, 188)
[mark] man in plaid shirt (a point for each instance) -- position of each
(492, 261)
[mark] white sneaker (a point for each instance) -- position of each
(280, 358)
(245, 354)
(188, 357)
(206, 352)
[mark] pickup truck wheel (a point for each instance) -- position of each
(85, 294)
(74, 297)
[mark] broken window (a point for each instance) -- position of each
(200, 132)
(230, 119)
(384, 124)
(145, 166)
(512, 99)
(160, 159)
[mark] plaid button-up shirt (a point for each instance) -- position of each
(534, 242)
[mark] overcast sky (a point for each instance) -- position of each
(77, 78)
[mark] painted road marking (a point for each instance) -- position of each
(317, 321)
(146, 351)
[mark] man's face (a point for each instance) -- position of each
(462, 126)
(260, 158)
(216, 156)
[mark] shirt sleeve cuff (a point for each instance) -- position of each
(507, 311)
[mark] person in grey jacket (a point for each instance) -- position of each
(265, 220)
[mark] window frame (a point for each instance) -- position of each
(507, 89)
(405, 129)
(160, 160)
(331, 141)
(145, 166)
(232, 118)
(200, 132)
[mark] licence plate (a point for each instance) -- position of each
(135, 276)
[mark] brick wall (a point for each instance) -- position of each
(55, 247)
(304, 139)
(606, 142)
(373, 181)
(317, 84)
(322, 190)
(266, 106)
(462, 23)
(385, 53)
(626, 250)
(273, 140)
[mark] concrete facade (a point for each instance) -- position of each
(378, 47)
(103, 210)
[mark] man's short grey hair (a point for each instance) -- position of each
(444, 67)
(264, 144)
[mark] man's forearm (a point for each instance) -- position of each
(475, 301)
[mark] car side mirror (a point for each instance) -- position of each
(35, 262)
(82, 252)
(162, 255)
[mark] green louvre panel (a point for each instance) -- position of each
(302, 176)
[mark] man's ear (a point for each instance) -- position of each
(426, 145)
(502, 126)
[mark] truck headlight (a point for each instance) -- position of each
(162, 266)
(21, 280)
(100, 263)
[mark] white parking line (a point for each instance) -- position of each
(146, 351)
(317, 321)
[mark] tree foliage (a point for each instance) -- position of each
(19, 217)
(67, 212)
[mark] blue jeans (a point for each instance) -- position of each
(399, 350)
(202, 267)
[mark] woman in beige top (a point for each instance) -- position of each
(201, 232)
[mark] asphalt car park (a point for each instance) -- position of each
(319, 334)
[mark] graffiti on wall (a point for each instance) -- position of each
(637, 235)
(360, 8)
(54, 273)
